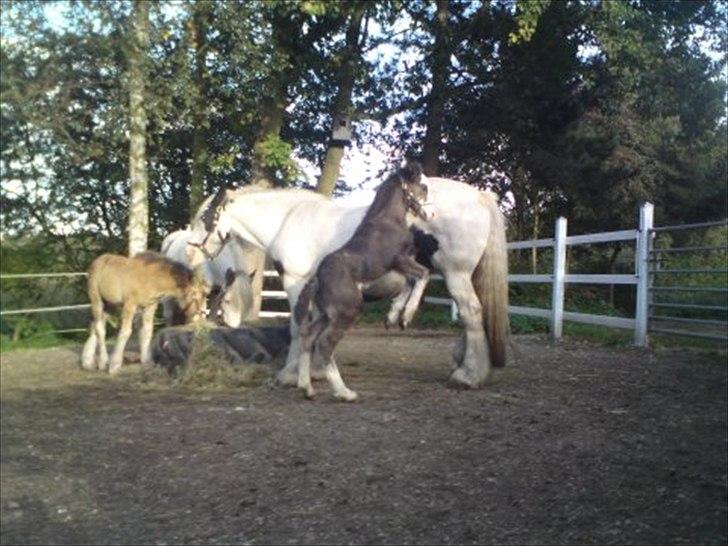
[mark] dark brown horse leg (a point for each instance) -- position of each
(419, 275)
(309, 331)
(327, 342)
(406, 264)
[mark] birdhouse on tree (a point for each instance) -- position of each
(341, 133)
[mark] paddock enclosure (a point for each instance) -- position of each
(570, 443)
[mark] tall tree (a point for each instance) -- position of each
(347, 66)
(198, 24)
(440, 78)
(138, 226)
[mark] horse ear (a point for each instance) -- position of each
(411, 172)
(229, 277)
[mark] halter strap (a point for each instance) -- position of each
(201, 245)
(412, 203)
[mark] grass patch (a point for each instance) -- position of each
(41, 341)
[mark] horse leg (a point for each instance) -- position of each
(127, 317)
(89, 348)
(309, 333)
(416, 272)
(101, 336)
(413, 302)
(145, 333)
(326, 344)
(97, 316)
(288, 375)
(475, 366)
(398, 304)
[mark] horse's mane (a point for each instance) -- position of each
(409, 173)
(180, 272)
(207, 208)
(258, 189)
(383, 195)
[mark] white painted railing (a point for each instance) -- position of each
(560, 277)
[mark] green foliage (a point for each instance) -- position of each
(276, 155)
(529, 12)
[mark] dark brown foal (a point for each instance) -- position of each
(331, 300)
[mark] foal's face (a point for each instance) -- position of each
(195, 299)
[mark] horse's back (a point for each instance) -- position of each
(142, 277)
(462, 222)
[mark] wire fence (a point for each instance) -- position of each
(649, 270)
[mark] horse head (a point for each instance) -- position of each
(210, 230)
(194, 301)
(415, 190)
(229, 303)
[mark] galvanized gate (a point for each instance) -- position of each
(688, 288)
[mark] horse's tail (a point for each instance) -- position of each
(92, 286)
(305, 299)
(490, 280)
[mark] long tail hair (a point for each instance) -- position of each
(94, 294)
(490, 280)
(305, 299)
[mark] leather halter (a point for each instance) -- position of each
(212, 222)
(412, 203)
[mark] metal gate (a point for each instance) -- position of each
(688, 289)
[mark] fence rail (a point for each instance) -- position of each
(643, 279)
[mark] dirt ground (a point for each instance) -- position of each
(572, 443)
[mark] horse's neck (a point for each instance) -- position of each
(256, 217)
(392, 209)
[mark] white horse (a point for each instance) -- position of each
(464, 240)
(228, 275)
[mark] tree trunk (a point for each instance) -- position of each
(342, 102)
(197, 30)
(139, 197)
(272, 112)
(440, 68)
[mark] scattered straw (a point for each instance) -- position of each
(209, 367)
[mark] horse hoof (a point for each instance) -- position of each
(286, 379)
(309, 393)
(459, 378)
(90, 366)
(403, 324)
(347, 396)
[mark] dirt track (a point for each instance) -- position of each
(570, 444)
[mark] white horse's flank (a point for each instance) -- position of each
(298, 228)
(236, 297)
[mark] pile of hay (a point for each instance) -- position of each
(209, 366)
(208, 357)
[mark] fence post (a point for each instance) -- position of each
(557, 286)
(642, 267)
(453, 311)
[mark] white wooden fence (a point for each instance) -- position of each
(558, 279)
